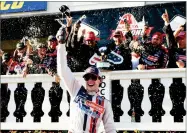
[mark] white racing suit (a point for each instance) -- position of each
(87, 110)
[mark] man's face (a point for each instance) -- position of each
(156, 40)
(6, 62)
(92, 82)
(182, 43)
(117, 39)
(90, 42)
(42, 52)
(21, 51)
(52, 44)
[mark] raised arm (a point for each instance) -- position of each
(64, 72)
(72, 41)
(128, 34)
(129, 38)
(169, 33)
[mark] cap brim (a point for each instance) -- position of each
(90, 39)
(116, 35)
(52, 40)
(20, 48)
(90, 73)
(180, 37)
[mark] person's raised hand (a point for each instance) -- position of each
(69, 21)
(165, 17)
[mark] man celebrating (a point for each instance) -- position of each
(177, 44)
(88, 108)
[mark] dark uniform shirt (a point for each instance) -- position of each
(125, 52)
(39, 65)
(5, 69)
(52, 60)
(78, 53)
(175, 53)
(153, 57)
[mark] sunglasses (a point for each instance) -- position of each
(91, 76)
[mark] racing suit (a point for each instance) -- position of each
(87, 109)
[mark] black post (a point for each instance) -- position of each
(5, 97)
(156, 92)
(55, 98)
(135, 95)
(178, 94)
(37, 96)
(117, 97)
(20, 96)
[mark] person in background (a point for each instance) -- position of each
(154, 55)
(20, 52)
(37, 62)
(78, 59)
(122, 48)
(52, 43)
(73, 51)
(23, 49)
(177, 44)
(136, 50)
(8, 64)
(52, 55)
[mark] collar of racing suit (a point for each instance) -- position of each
(92, 93)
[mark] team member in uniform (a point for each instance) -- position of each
(122, 48)
(177, 44)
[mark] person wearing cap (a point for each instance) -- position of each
(121, 47)
(7, 64)
(90, 46)
(80, 50)
(52, 54)
(23, 48)
(88, 108)
(52, 43)
(37, 62)
(154, 55)
(177, 44)
(20, 55)
(20, 52)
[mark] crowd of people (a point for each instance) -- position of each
(25, 60)
(144, 54)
